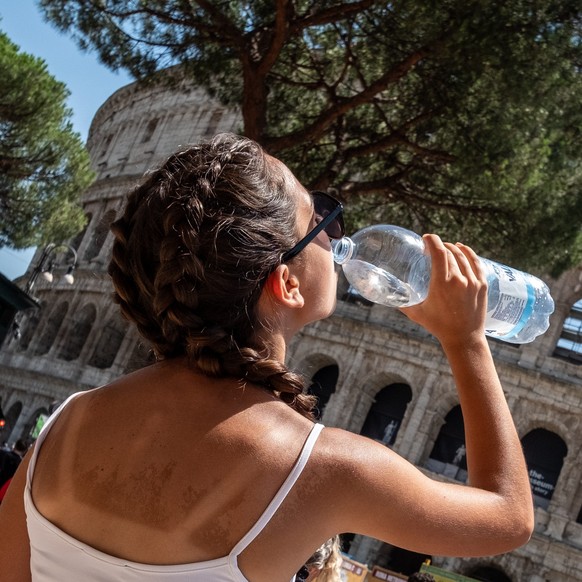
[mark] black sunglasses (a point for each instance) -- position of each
(328, 211)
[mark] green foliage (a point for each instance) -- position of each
(460, 117)
(44, 166)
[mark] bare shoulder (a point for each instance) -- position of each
(378, 492)
(356, 462)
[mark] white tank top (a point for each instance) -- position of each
(57, 556)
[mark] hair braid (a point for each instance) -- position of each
(195, 243)
(277, 377)
(130, 297)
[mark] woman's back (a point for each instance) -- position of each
(170, 467)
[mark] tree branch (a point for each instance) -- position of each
(226, 26)
(334, 14)
(279, 38)
(343, 106)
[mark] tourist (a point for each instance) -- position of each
(207, 465)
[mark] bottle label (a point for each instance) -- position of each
(515, 305)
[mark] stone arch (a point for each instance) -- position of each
(322, 373)
(323, 385)
(76, 241)
(112, 335)
(448, 455)
(540, 419)
(29, 326)
(51, 329)
(387, 413)
(372, 381)
(311, 362)
(100, 233)
(569, 344)
(150, 128)
(443, 397)
(213, 122)
(544, 454)
(442, 401)
(78, 332)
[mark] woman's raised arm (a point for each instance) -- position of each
(386, 497)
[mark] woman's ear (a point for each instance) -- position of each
(283, 287)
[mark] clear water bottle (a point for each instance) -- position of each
(388, 265)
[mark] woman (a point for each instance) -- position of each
(207, 464)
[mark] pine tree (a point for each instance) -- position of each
(44, 166)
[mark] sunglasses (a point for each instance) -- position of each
(328, 211)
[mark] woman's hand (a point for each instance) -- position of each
(455, 308)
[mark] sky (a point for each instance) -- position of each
(89, 82)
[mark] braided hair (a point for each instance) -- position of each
(197, 239)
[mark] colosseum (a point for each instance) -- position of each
(374, 371)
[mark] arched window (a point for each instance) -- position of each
(323, 386)
(51, 329)
(213, 123)
(78, 238)
(105, 145)
(99, 235)
(111, 337)
(544, 453)
(386, 413)
(78, 332)
(149, 130)
(448, 454)
(569, 345)
(29, 326)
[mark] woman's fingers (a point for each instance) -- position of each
(440, 256)
(450, 260)
(461, 261)
(474, 260)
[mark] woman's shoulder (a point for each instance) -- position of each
(347, 462)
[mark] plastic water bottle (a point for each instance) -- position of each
(388, 265)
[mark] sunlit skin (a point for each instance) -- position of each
(166, 466)
(308, 283)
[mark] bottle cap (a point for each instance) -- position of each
(343, 249)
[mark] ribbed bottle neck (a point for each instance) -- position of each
(343, 249)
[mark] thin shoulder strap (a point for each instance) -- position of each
(44, 431)
(281, 493)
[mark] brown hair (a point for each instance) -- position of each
(197, 239)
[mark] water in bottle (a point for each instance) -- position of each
(388, 265)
